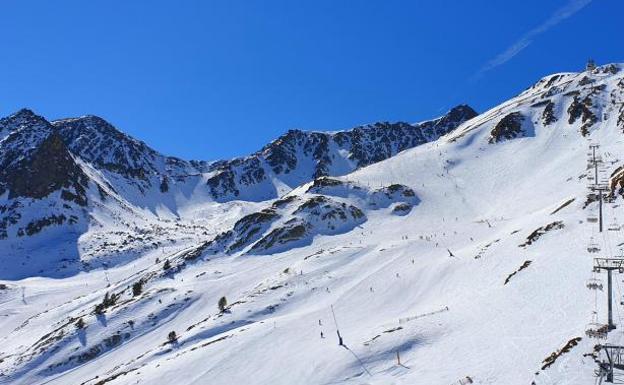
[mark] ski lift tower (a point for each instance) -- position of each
(597, 185)
(615, 360)
(598, 192)
(595, 160)
(609, 265)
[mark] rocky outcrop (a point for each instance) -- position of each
(509, 127)
(581, 109)
(548, 115)
(50, 167)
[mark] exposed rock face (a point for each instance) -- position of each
(49, 168)
(616, 182)
(249, 228)
(21, 133)
(232, 177)
(581, 108)
(36, 226)
(509, 127)
(539, 232)
(22, 119)
(402, 209)
(290, 232)
(548, 115)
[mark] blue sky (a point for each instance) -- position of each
(217, 79)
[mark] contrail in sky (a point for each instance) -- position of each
(525, 40)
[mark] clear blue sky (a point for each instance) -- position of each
(217, 79)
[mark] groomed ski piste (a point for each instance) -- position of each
(478, 277)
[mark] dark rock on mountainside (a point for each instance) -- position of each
(246, 230)
(50, 167)
(548, 115)
(290, 232)
(509, 127)
(581, 108)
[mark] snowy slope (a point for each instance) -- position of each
(466, 255)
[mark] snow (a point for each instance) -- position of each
(429, 285)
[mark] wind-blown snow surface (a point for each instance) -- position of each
(435, 284)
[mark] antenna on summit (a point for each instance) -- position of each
(591, 65)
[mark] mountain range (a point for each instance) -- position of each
(450, 251)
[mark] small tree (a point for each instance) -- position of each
(222, 304)
(172, 337)
(80, 324)
(137, 288)
(108, 301)
(167, 265)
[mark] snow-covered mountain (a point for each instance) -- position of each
(447, 252)
(298, 157)
(74, 181)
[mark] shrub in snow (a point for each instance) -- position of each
(137, 288)
(222, 304)
(80, 324)
(108, 301)
(172, 337)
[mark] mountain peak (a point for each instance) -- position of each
(21, 118)
(23, 112)
(461, 112)
(90, 122)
